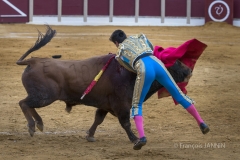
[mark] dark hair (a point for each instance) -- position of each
(118, 36)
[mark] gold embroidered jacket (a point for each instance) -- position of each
(131, 48)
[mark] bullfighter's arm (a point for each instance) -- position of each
(121, 62)
(124, 65)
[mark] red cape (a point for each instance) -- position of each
(188, 53)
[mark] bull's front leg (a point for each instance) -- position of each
(99, 117)
(124, 119)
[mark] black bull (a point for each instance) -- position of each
(47, 80)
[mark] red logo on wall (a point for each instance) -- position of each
(219, 11)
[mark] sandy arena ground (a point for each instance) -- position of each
(172, 133)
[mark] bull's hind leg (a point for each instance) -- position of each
(26, 111)
(38, 119)
(99, 117)
(28, 106)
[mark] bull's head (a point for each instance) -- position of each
(180, 72)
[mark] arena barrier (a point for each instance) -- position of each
(124, 12)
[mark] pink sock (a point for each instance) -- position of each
(192, 110)
(139, 125)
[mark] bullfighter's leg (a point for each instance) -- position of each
(38, 119)
(145, 77)
(25, 109)
(99, 117)
(167, 81)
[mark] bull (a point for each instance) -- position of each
(47, 80)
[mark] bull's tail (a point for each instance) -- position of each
(41, 41)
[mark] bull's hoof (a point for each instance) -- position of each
(68, 109)
(90, 139)
(31, 132)
(135, 141)
(40, 126)
(142, 142)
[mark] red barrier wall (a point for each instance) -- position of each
(150, 9)
(124, 8)
(45, 7)
(146, 8)
(98, 7)
(236, 9)
(72, 7)
(198, 8)
(174, 8)
(9, 11)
